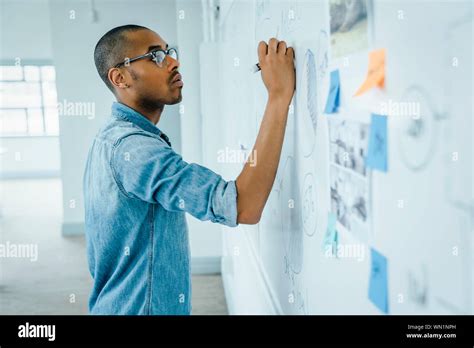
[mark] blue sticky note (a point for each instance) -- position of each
(378, 284)
(377, 152)
(335, 241)
(333, 98)
(330, 237)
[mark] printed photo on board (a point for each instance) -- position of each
(349, 179)
(348, 21)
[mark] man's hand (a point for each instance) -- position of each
(255, 182)
(278, 69)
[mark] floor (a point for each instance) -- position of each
(58, 282)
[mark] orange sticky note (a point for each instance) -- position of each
(376, 73)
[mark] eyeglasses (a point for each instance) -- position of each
(158, 56)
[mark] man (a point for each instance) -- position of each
(137, 189)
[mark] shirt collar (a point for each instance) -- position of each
(126, 113)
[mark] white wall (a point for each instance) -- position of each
(30, 157)
(26, 29)
(26, 34)
(205, 237)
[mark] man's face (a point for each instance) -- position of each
(150, 84)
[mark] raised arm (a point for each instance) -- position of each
(255, 182)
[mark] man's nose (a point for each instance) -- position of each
(172, 63)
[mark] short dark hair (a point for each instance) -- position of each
(110, 50)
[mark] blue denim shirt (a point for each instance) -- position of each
(136, 193)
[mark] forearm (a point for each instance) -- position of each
(256, 179)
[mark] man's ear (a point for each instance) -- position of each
(117, 79)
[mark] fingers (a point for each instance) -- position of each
(262, 50)
(272, 45)
(290, 52)
(281, 47)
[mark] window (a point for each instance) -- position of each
(28, 101)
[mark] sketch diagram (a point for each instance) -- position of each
(291, 215)
(291, 212)
(322, 62)
(417, 131)
(262, 9)
(299, 300)
(309, 204)
(290, 19)
(418, 286)
(311, 100)
(306, 109)
(297, 184)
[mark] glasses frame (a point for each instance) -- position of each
(149, 54)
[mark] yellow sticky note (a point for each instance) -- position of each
(376, 73)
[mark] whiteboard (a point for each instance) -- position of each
(418, 214)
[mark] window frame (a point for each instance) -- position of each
(24, 63)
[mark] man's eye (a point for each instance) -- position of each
(158, 56)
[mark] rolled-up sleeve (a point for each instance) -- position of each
(146, 168)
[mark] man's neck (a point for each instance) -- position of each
(153, 115)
